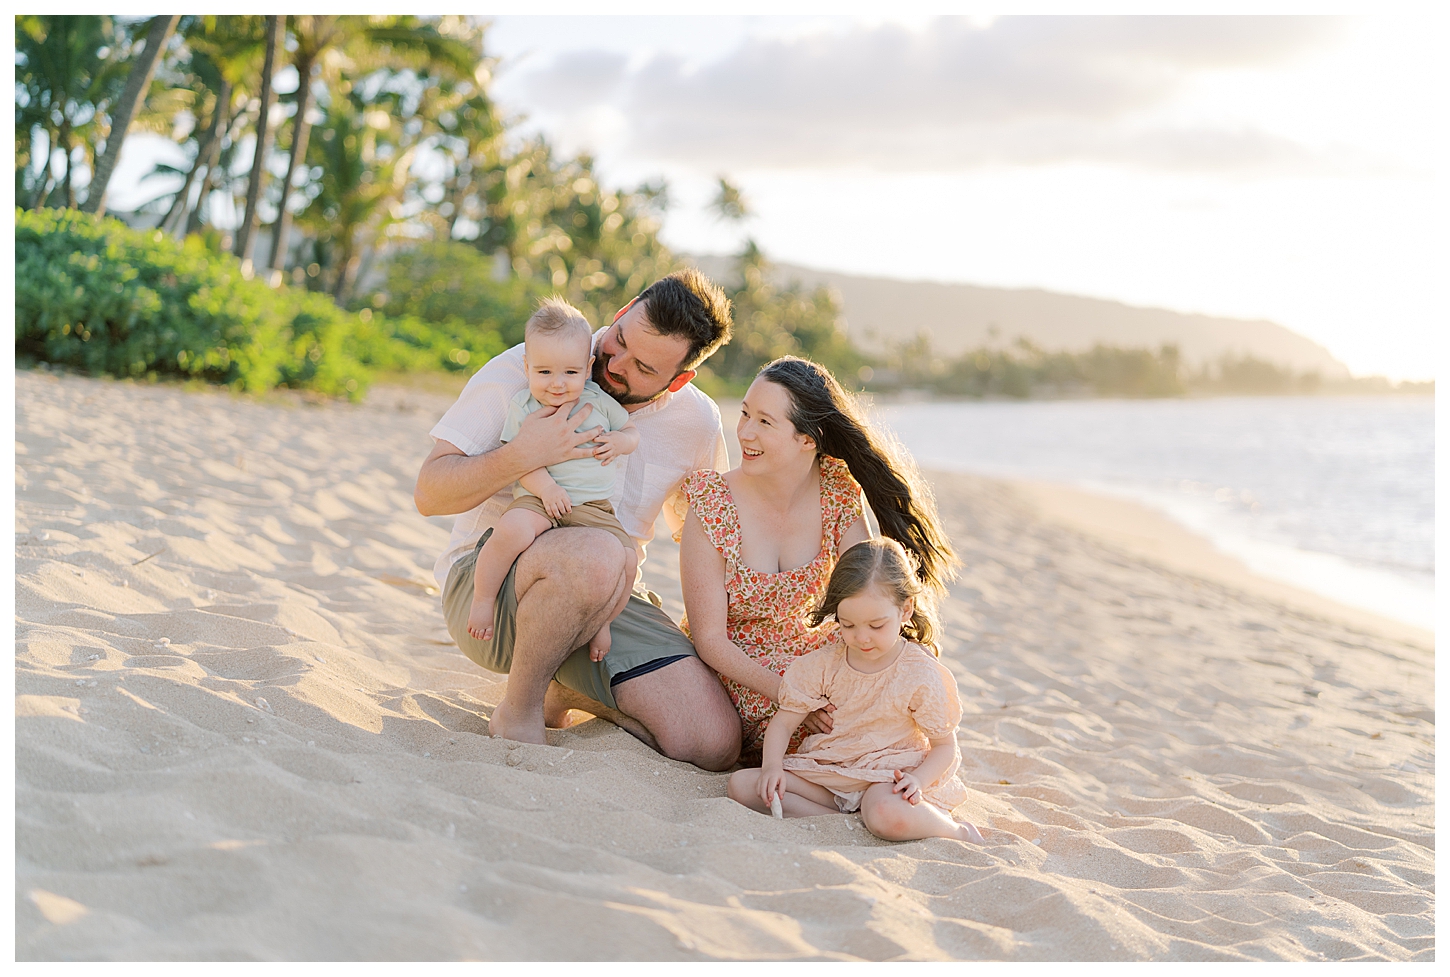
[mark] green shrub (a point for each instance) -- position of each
(95, 294)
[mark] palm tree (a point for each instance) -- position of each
(383, 42)
(248, 229)
(68, 69)
(157, 34)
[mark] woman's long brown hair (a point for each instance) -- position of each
(823, 411)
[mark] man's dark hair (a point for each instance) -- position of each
(686, 303)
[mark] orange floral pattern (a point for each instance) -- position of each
(766, 617)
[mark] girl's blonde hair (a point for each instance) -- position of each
(884, 563)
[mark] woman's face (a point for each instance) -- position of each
(768, 440)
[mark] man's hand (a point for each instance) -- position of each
(556, 501)
(548, 436)
(907, 786)
(612, 444)
(820, 721)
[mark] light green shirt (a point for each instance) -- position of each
(585, 479)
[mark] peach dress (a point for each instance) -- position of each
(882, 722)
(766, 616)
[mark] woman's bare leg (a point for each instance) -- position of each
(890, 816)
(802, 799)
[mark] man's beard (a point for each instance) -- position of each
(609, 386)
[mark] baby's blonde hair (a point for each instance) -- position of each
(885, 563)
(556, 318)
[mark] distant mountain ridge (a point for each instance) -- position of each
(882, 311)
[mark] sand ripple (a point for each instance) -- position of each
(242, 733)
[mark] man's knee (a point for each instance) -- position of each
(583, 562)
(711, 741)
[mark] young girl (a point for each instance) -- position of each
(892, 750)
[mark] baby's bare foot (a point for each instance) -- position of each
(600, 644)
(480, 620)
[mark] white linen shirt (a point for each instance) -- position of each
(678, 433)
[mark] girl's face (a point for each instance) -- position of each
(768, 440)
(871, 622)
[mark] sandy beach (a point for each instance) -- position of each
(242, 733)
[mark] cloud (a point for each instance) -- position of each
(1023, 90)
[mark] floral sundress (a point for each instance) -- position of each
(766, 616)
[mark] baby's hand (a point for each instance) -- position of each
(612, 444)
(556, 502)
(907, 786)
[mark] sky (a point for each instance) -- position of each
(1288, 168)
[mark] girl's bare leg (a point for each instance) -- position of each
(515, 531)
(802, 798)
(890, 816)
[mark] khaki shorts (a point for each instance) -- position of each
(590, 515)
(644, 637)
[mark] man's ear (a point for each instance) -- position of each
(680, 381)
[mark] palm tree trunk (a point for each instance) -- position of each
(298, 157)
(205, 153)
(136, 84)
(218, 167)
(246, 233)
(68, 193)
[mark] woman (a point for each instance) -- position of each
(760, 541)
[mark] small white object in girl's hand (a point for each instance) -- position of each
(775, 808)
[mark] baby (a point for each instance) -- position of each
(558, 357)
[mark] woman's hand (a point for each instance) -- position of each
(820, 720)
(907, 786)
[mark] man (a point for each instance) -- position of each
(563, 588)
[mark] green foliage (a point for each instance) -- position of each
(96, 295)
(1025, 370)
(452, 287)
(773, 321)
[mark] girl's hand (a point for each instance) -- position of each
(820, 720)
(771, 782)
(907, 786)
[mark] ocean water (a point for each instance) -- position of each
(1333, 495)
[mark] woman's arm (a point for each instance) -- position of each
(702, 583)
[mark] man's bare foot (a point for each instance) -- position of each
(522, 729)
(600, 644)
(480, 619)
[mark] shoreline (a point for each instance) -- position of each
(1157, 538)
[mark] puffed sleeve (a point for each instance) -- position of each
(705, 492)
(841, 498)
(804, 687)
(935, 705)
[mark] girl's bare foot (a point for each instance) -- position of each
(969, 832)
(480, 620)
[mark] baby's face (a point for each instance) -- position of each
(558, 367)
